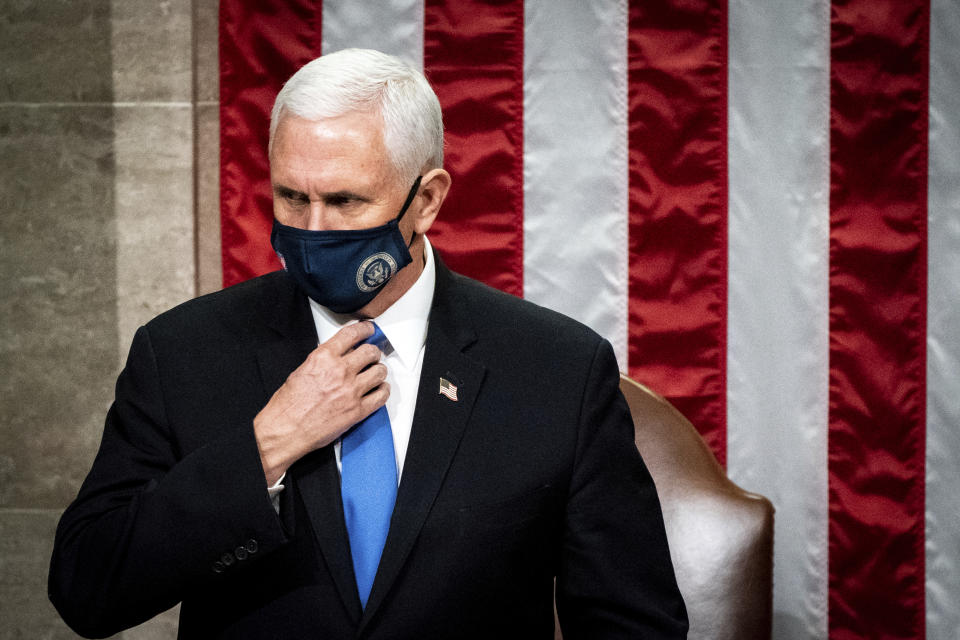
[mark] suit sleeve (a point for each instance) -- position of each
(149, 524)
(615, 578)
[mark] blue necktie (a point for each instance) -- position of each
(368, 485)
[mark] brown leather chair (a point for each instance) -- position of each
(720, 536)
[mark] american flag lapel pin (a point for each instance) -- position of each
(448, 389)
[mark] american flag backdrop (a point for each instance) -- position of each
(756, 201)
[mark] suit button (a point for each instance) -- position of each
(240, 553)
(251, 546)
(218, 567)
(227, 559)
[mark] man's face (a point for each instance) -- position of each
(334, 174)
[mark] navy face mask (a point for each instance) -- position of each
(343, 270)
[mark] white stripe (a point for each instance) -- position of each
(391, 26)
(778, 290)
(575, 163)
(943, 328)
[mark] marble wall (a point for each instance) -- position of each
(108, 215)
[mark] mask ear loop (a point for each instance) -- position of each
(406, 205)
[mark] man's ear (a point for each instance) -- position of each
(433, 190)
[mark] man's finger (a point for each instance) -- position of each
(346, 338)
(375, 399)
(369, 379)
(362, 357)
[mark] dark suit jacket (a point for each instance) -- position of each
(530, 474)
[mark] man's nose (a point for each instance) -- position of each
(320, 217)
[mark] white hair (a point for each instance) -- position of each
(366, 80)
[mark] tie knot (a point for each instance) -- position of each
(378, 338)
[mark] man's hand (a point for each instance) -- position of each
(326, 395)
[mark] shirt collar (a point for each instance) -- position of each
(404, 323)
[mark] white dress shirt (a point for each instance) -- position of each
(404, 324)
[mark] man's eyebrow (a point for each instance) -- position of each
(287, 192)
(346, 195)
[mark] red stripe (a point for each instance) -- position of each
(878, 163)
(677, 59)
(473, 57)
(261, 44)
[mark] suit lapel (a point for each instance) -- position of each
(438, 425)
(318, 480)
(315, 476)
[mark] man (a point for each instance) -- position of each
(232, 477)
